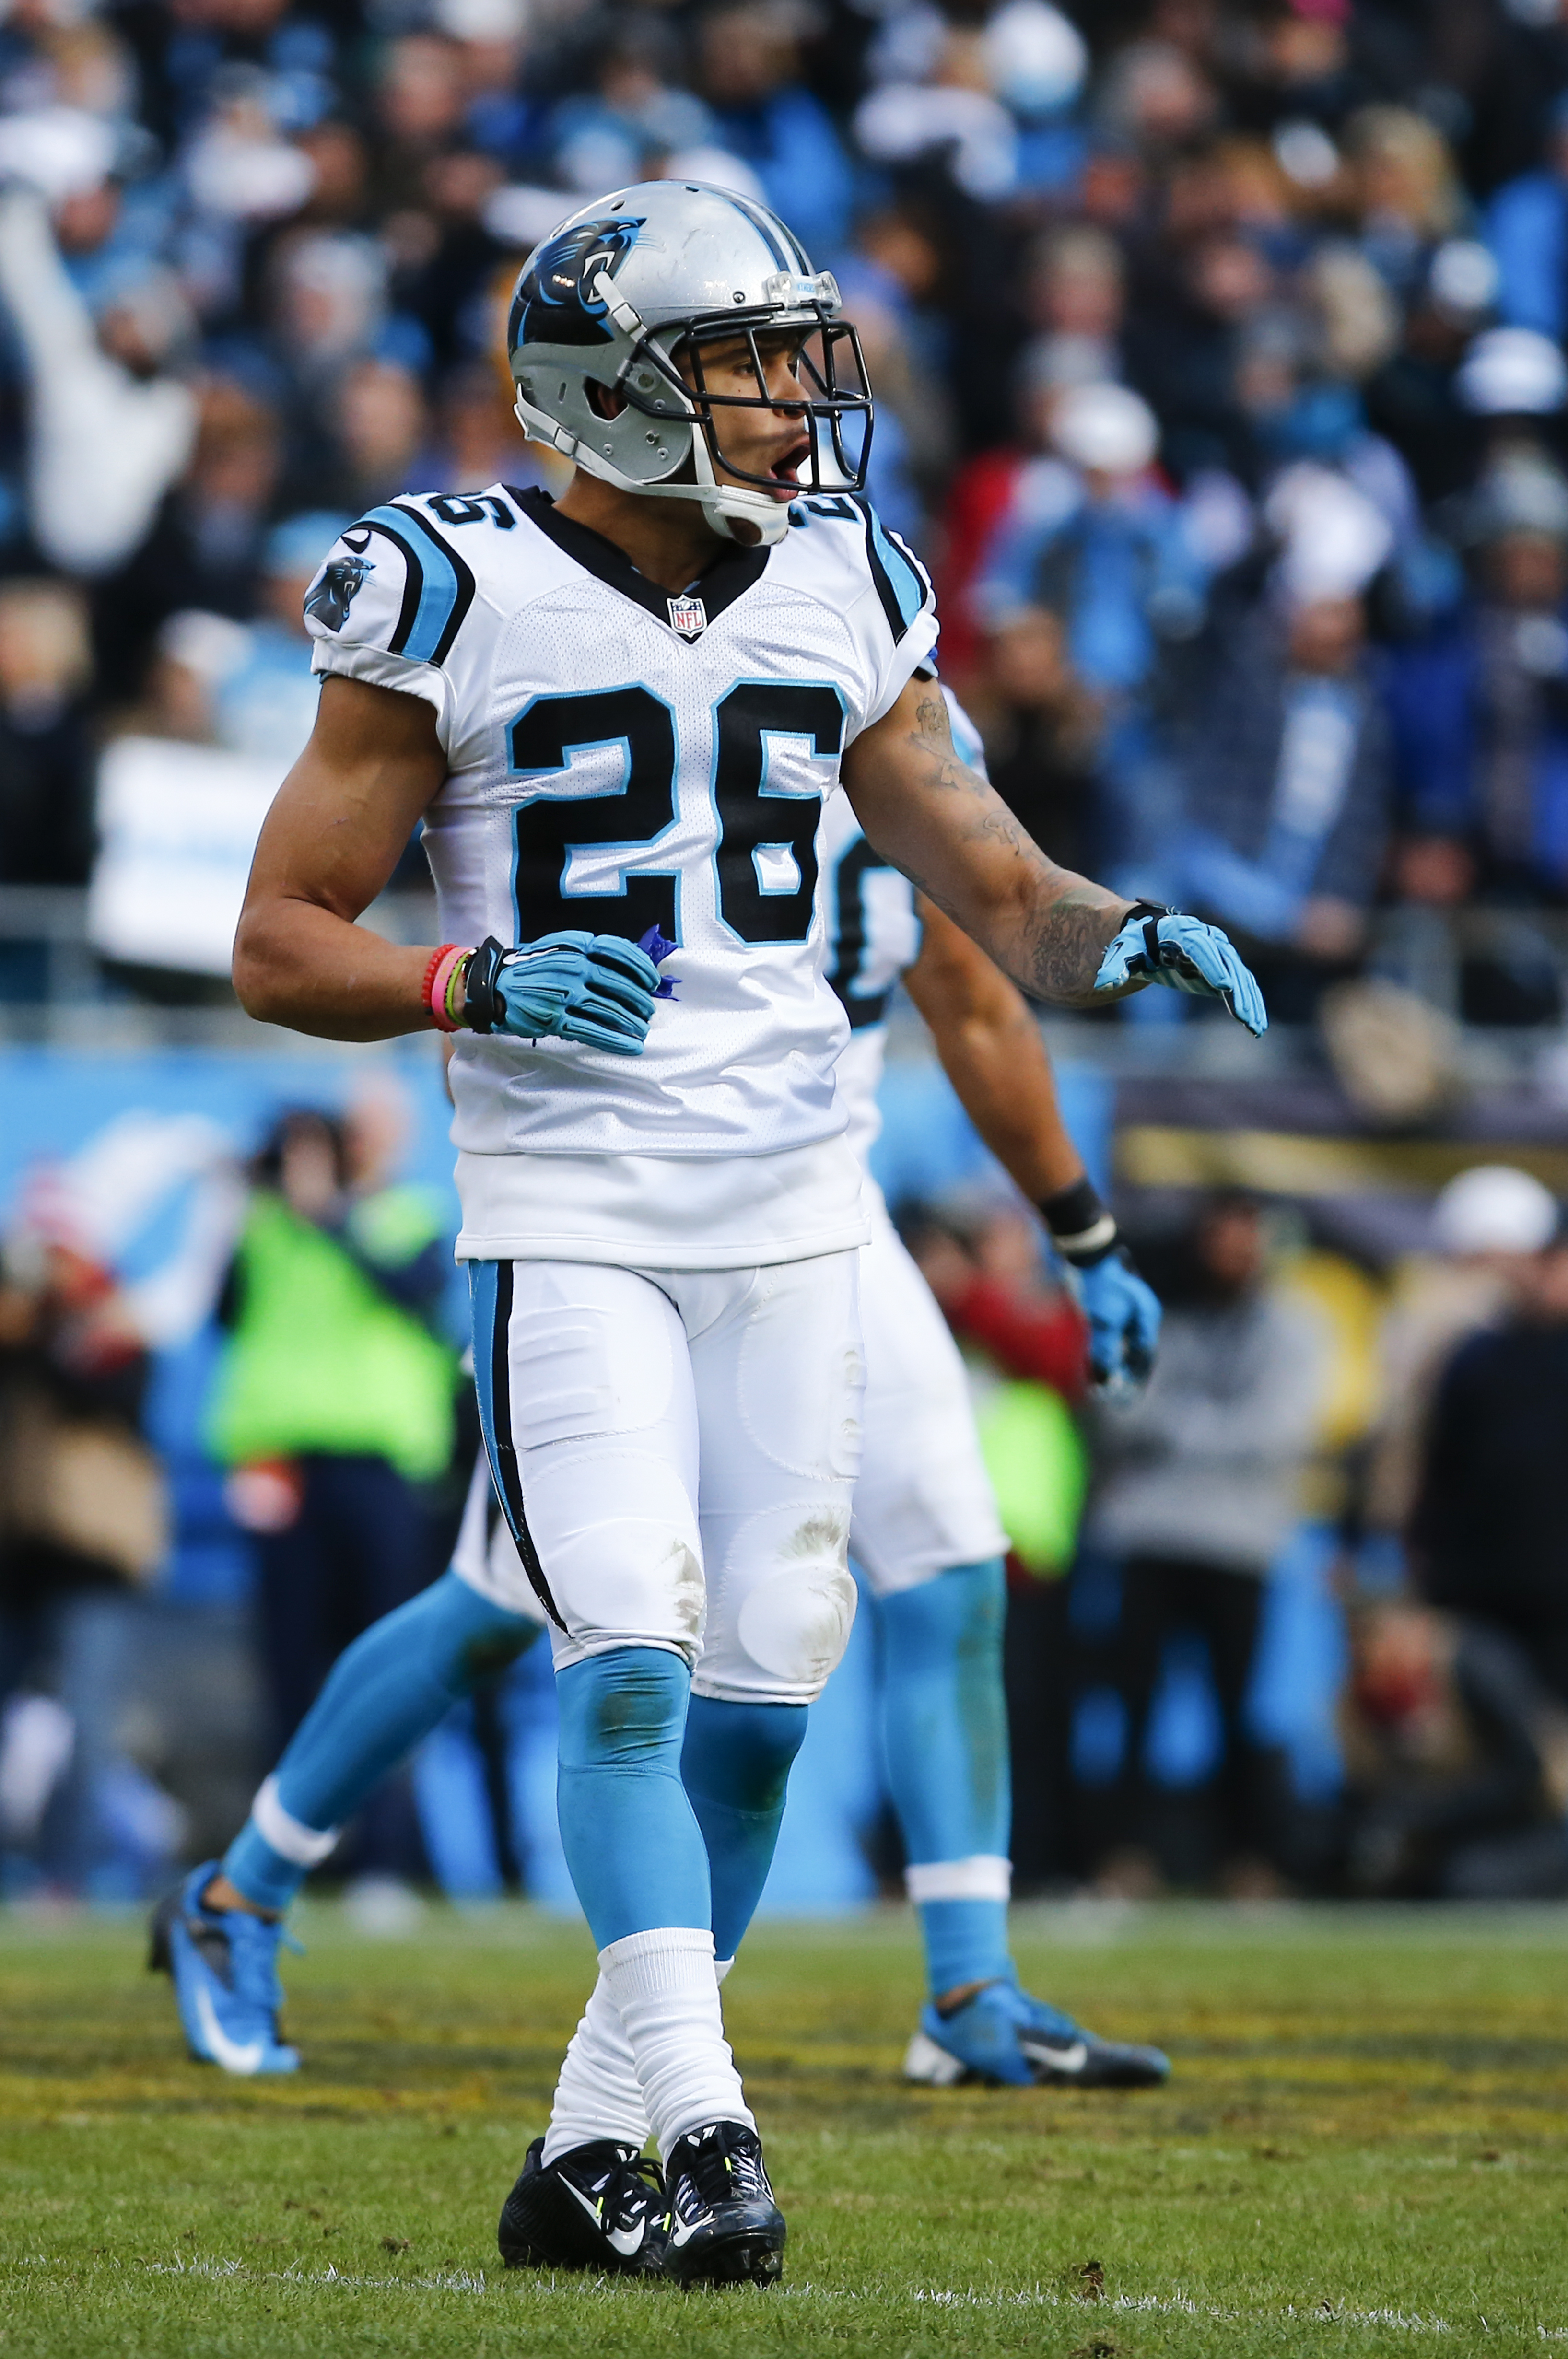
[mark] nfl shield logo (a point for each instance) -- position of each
(689, 616)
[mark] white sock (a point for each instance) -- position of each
(667, 1994)
(598, 2094)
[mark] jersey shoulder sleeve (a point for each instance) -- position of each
(889, 601)
(391, 599)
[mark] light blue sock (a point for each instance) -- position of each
(944, 1733)
(397, 1681)
(735, 1767)
(632, 1844)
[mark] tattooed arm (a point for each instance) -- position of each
(939, 821)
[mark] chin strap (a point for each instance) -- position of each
(724, 505)
(727, 504)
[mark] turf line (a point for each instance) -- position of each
(1182, 2306)
(1323, 2313)
(448, 2281)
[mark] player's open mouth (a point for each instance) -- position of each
(786, 470)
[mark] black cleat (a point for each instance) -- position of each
(599, 2207)
(724, 2227)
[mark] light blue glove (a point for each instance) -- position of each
(594, 988)
(1123, 1315)
(1162, 946)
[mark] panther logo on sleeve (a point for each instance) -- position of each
(334, 594)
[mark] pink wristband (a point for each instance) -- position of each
(442, 968)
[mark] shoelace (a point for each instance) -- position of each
(725, 2168)
(635, 2188)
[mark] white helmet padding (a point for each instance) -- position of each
(627, 287)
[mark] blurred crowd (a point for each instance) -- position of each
(1294, 1619)
(1388, 1445)
(326, 1426)
(1219, 346)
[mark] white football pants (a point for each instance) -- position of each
(676, 1452)
(924, 1500)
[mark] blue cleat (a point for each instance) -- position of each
(1003, 2037)
(225, 1969)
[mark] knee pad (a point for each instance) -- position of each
(621, 1548)
(795, 1626)
(780, 1607)
(785, 1611)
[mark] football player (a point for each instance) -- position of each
(619, 718)
(924, 1532)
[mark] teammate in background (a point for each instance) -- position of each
(925, 1533)
(619, 719)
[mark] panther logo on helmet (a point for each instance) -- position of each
(555, 303)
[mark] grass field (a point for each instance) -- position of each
(1366, 2142)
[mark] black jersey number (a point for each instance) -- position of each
(767, 852)
(490, 508)
(550, 827)
(852, 936)
(767, 840)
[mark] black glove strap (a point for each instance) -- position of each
(1151, 912)
(1082, 1228)
(482, 1007)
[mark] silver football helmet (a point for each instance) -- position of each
(628, 288)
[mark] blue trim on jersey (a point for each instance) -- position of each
(835, 505)
(906, 579)
(899, 580)
(630, 844)
(781, 794)
(908, 554)
(439, 589)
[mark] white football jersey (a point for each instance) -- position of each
(621, 759)
(874, 935)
